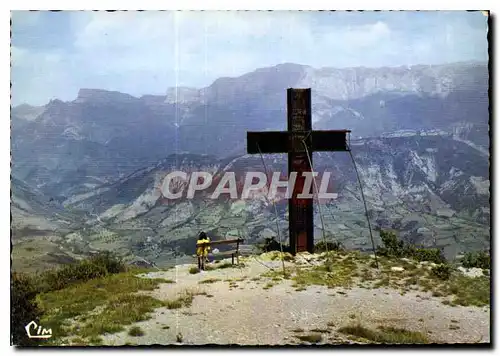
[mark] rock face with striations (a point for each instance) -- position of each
(109, 134)
(419, 135)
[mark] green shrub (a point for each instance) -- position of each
(328, 246)
(70, 274)
(392, 247)
(442, 271)
(428, 254)
(270, 244)
(135, 331)
(111, 262)
(24, 308)
(480, 259)
(98, 265)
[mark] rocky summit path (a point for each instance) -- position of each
(244, 312)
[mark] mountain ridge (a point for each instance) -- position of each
(84, 92)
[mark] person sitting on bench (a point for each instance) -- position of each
(202, 251)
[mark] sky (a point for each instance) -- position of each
(54, 54)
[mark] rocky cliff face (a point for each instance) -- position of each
(103, 135)
(415, 185)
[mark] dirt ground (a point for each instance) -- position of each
(246, 312)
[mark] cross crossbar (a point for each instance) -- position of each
(281, 141)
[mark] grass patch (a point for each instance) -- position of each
(333, 273)
(185, 299)
(328, 246)
(321, 331)
(105, 304)
(312, 338)
(411, 281)
(194, 270)
(427, 284)
(95, 340)
(121, 310)
(210, 280)
(135, 331)
(179, 338)
(78, 341)
(385, 335)
(384, 282)
(276, 274)
(469, 291)
(366, 275)
(441, 271)
(224, 265)
(168, 281)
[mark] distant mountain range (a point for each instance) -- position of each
(101, 135)
(420, 136)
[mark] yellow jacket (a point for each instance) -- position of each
(202, 250)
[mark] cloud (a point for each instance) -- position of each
(147, 52)
(37, 77)
(26, 18)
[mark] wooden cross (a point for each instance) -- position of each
(300, 211)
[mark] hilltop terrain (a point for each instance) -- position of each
(327, 298)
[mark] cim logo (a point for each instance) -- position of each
(36, 331)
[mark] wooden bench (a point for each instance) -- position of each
(232, 253)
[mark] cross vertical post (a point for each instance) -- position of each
(300, 211)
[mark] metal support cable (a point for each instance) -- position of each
(275, 212)
(364, 202)
(317, 198)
